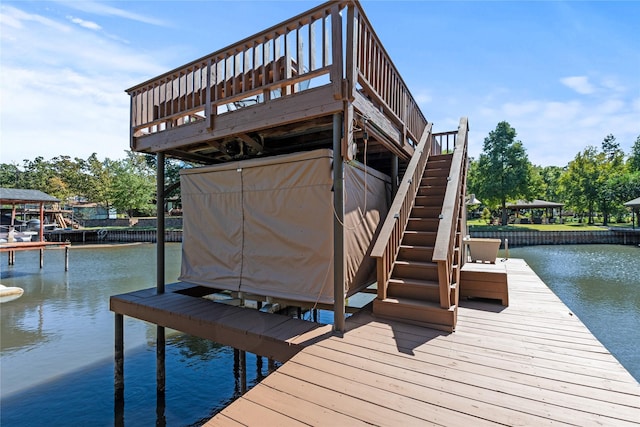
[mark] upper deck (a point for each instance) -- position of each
(275, 92)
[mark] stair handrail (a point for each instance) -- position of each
(387, 244)
(443, 252)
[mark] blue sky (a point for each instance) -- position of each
(563, 74)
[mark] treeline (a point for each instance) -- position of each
(599, 180)
(128, 185)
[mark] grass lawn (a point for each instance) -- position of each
(480, 225)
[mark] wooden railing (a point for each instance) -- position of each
(381, 80)
(387, 244)
(447, 250)
(304, 52)
(443, 142)
(273, 63)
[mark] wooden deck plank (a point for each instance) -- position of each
(431, 372)
(242, 328)
(289, 331)
(492, 358)
(417, 384)
(474, 314)
(364, 388)
(346, 399)
(531, 363)
(503, 349)
(518, 372)
(300, 409)
(221, 420)
(495, 347)
(554, 339)
(253, 414)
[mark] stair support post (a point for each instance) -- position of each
(338, 229)
(160, 223)
(394, 175)
(443, 280)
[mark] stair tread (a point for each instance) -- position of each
(414, 282)
(419, 247)
(417, 303)
(419, 232)
(416, 263)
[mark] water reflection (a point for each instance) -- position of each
(58, 341)
(601, 285)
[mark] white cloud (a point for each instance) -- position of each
(17, 19)
(423, 97)
(520, 109)
(552, 129)
(62, 101)
(85, 24)
(103, 9)
(578, 83)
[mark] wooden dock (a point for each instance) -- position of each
(275, 336)
(532, 363)
(13, 247)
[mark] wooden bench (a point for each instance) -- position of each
(484, 281)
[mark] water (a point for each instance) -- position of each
(57, 340)
(601, 285)
(57, 345)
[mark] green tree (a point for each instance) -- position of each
(473, 177)
(580, 182)
(69, 177)
(622, 187)
(37, 174)
(503, 168)
(133, 185)
(99, 185)
(634, 157)
(9, 175)
(172, 169)
(551, 180)
(611, 168)
(537, 186)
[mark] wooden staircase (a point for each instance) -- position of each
(419, 249)
(413, 291)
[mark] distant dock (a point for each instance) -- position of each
(12, 247)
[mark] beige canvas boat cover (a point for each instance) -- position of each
(265, 226)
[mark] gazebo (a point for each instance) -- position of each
(535, 204)
(635, 206)
(17, 196)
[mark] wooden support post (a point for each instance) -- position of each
(41, 256)
(41, 232)
(160, 360)
(243, 371)
(66, 258)
(259, 374)
(118, 372)
(394, 176)
(160, 224)
(338, 229)
(271, 366)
